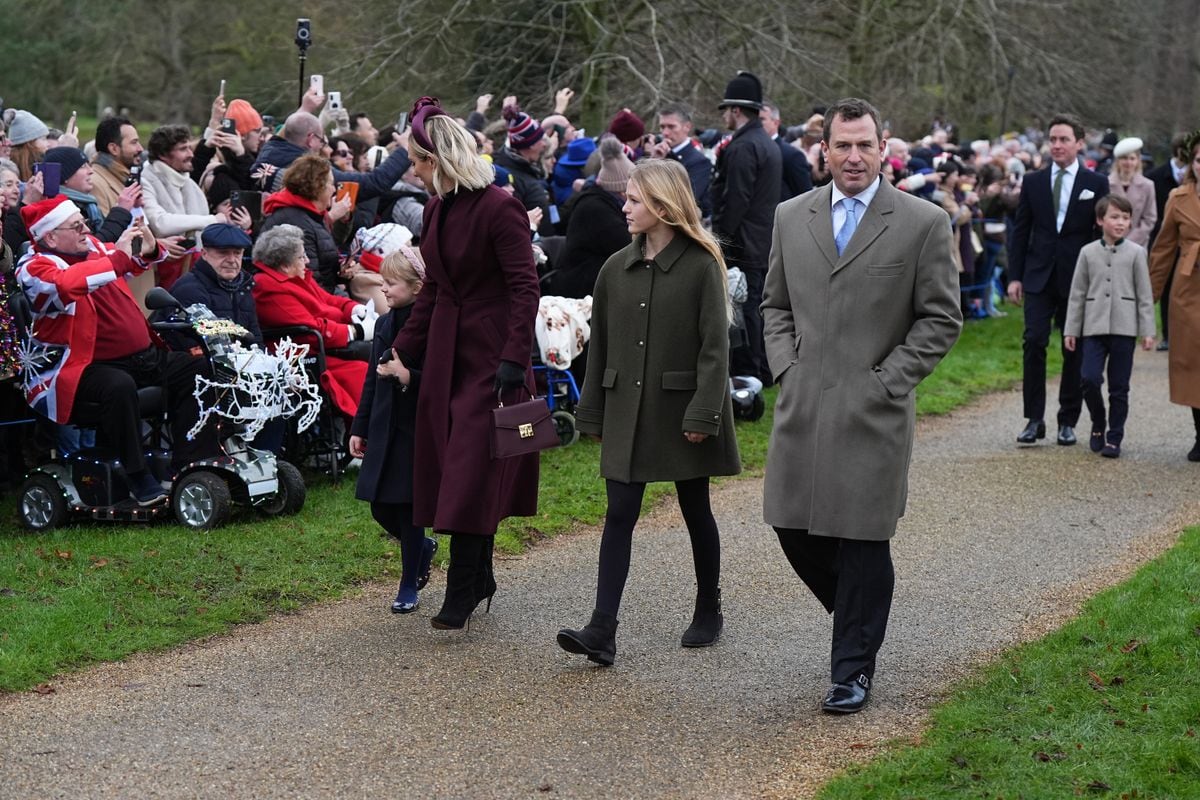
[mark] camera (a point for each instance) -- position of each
(228, 126)
(268, 121)
(135, 175)
(303, 33)
(335, 100)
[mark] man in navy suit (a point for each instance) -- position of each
(675, 124)
(797, 174)
(1055, 218)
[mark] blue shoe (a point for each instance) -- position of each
(406, 602)
(429, 547)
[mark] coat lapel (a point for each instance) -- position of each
(873, 223)
(821, 224)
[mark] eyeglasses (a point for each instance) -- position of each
(320, 138)
(78, 227)
(342, 153)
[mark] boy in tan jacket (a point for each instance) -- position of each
(1110, 306)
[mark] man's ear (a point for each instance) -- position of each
(114, 153)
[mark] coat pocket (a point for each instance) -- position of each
(885, 270)
(610, 379)
(683, 381)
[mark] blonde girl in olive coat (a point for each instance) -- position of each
(657, 393)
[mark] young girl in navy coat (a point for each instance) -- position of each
(382, 432)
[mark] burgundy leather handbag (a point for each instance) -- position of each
(522, 428)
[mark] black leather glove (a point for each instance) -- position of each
(509, 376)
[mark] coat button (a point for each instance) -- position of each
(641, 344)
(641, 305)
(637, 383)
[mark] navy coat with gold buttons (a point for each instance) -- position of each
(658, 366)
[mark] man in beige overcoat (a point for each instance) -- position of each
(861, 302)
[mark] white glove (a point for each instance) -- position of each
(359, 313)
(368, 326)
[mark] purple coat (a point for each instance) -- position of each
(477, 308)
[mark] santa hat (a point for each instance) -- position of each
(373, 244)
(45, 215)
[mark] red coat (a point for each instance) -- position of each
(477, 308)
(281, 301)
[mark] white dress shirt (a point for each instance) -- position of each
(839, 212)
(1068, 182)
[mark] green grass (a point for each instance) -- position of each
(1108, 706)
(94, 592)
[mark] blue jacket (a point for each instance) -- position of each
(280, 153)
(230, 300)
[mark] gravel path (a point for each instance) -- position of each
(347, 700)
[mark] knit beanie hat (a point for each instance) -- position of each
(614, 166)
(372, 245)
(244, 116)
(25, 127)
(71, 159)
(523, 130)
(626, 126)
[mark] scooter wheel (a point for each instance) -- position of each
(564, 426)
(201, 501)
(290, 497)
(42, 505)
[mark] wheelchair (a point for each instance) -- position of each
(92, 483)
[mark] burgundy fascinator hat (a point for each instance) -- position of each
(423, 109)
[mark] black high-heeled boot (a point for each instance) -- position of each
(707, 622)
(485, 578)
(461, 582)
(597, 640)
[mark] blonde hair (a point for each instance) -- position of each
(456, 157)
(397, 268)
(667, 192)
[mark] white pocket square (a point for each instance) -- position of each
(1087, 194)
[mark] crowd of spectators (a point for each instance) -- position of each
(334, 180)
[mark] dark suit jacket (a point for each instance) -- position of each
(1163, 179)
(1039, 256)
(699, 173)
(797, 174)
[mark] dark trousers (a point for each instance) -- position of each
(854, 580)
(397, 520)
(1040, 311)
(1118, 352)
(624, 508)
(752, 359)
(106, 399)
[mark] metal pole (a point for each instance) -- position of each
(300, 98)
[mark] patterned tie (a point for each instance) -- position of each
(843, 236)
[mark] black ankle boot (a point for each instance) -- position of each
(461, 579)
(1194, 453)
(707, 622)
(485, 578)
(597, 641)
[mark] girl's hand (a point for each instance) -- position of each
(394, 368)
(695, 438)
(1069, 343)
(358, 446)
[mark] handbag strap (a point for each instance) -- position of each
(500, 398)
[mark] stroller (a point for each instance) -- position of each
(745, 390)
(562, 331)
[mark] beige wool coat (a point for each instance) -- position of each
(1145, 211)
(658, 366)
(1178, 246)
(848, 340)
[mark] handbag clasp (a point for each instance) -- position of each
(525, 430)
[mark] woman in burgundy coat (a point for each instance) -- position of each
(473, 325)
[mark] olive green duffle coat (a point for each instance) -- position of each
(658, 366)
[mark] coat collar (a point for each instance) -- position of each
(664, 260)
(874, 222)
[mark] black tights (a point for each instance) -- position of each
(624, 508)
(1196, 421)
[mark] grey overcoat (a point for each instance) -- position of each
(658, 366)
(848, 340)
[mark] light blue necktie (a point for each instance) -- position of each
(848, 227)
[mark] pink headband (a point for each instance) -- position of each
(414, 258)
(423, 109)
